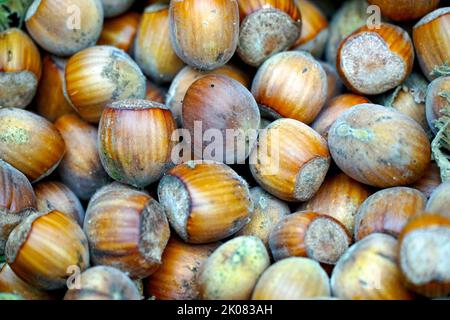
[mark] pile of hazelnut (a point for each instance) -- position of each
(119, 180)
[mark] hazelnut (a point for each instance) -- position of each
(290, 160)
(292, 279)
(388, 211)
(291, 85)
(20, 68)
(127, 128)
(126, 229)
(205, 201)
(60, 34)
(232, 270)
(379, 146)
(204, 34)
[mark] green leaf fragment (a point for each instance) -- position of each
(10, 9)
(441, 71)
(440, 146)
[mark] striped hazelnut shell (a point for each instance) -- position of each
(266, 215)
(291, 85)
(439, 201)
(57, 33)
(11, 283)
(42, 248)
(369, 271)
(431, 37)
(135, 141)
(30, 143)
(51, 104)
(126, 229)
(334, 109)
(17, 200)
(176, 278)
(388, 211)
(53, 195)
(236, 110)
(187, 76)
(247, 7)
(290, 160)
(104, 283)
(314, 35)
(204, 34)
(293, 278)
(113, 8)
(99, 75)
(153, 51)
(374, 60)
(339, 197)
(120, 32)
(309, 234)
(232, 270)
(405, 9)
(379, 146)
(438, 99)
(423, 255)
(205, 201)
(20, 68)
(80, 169)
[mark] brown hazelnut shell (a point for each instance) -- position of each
(290, 160)
(293, 278)
(236, 110)
(30, 143)
(126, 229)
(369, 271)
(104, 283)
(53, 195)
(388, 211)
(120, 32)
(379, 146)
(291, 85)
(51, 104)
(20, 68)
(42, 248)
(423, 255)
(309, 234)
(176, 278)
(153, 51)
(432, 41)
(80, 169)
(135, 141)
(194, 23)
(56, 33)
(205, 201)
(339, 197)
